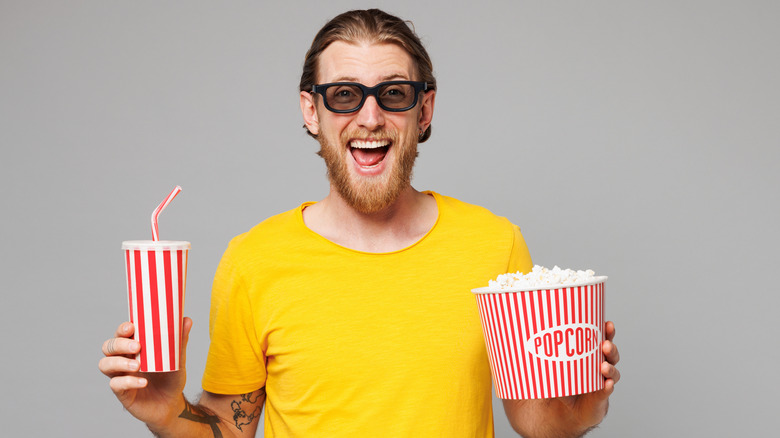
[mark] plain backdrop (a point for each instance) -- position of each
(639, 139)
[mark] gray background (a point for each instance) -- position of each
(639, 139)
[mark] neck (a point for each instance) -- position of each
(397, 226)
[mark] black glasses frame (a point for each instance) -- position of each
(370, 91)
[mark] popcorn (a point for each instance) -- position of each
(541, 277)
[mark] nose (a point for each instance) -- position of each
(370, 116)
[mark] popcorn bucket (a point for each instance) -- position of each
(156, 280)
(544, 343)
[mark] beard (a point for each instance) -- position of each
(373, 193)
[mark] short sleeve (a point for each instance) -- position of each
(519, 258)
(236, 360)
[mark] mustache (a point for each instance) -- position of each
(364, 134)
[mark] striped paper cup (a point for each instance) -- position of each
(544, 343)
(156, 280)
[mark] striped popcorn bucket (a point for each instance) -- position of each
(544, 343)
(156, 280)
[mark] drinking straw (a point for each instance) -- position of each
(160, 208)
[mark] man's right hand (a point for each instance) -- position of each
(155, 398)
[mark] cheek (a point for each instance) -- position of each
(404, 124)
(335, 127)
(330, 132)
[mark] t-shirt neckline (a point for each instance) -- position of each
(436, 197)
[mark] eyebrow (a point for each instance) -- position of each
(390, 77)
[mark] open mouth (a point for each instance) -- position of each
(369, 153)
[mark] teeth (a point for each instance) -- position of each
(360, 144)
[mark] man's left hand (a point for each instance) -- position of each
(569, 416)
(592, 407)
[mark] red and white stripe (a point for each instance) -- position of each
(511, 319)
(160, 208)
(156, 281)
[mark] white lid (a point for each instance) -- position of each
(493, 290)
(155, 245)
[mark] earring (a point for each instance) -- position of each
(422, 132)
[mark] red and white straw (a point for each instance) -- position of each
(159, 209)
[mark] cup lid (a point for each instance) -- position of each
(492, 290)
(155, 244)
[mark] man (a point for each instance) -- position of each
(352, 316)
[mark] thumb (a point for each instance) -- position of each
(185, 338)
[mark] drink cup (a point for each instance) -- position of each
(545, 342)
(156, 280)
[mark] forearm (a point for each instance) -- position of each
(546, 418)
(193, 421)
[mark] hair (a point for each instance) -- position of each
(372, 26)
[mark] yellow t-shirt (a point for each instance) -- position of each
(349, 343)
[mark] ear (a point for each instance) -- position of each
(426, 110)
(309, 111)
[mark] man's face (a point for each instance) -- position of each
(369, 153)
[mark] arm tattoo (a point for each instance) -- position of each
(247, 403)
(199, 415)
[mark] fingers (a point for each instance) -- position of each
(609, 349)
(612, 357)
(120, 352)
(125, 330)
(121, 384)
(611, 353)
(610, 371)
(113, 366)
(609, 387)
(121, 343)
(609, 330)
(611, 375)
(120, 347)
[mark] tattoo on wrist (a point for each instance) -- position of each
(247, 403)
(199, 415)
